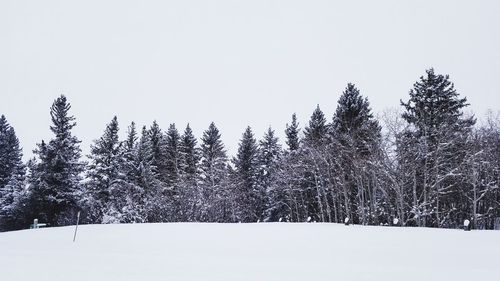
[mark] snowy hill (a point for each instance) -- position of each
(248, 252)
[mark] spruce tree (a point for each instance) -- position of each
(313, 181)
(188, 170)
(144, 160)
(104, 173)
(172, 155)
(214, 205)
(354, 124)
(269, 160)
(292, 134)
(213, 156)
(439, 134)
(316, 132)
(189, 154)
(151, 199)
(55, 186)
(131, 140)
(249, 197)
(11, 176)
(10, 152)
(156, 140)
(357, 142)
(132, 205)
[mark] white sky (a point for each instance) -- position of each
(237, 63)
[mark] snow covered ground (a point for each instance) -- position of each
(272, 251)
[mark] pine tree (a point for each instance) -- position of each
(55, 186)
(104, 173)
(132, 199)
(156, 141)
(129, 149)
(144, 159)
(172, 155)
(189, 154)
(313, 181)
(316, 132)
(151, 201)
(439, 134)
(188, 169)
(292, 134)
(249, 197)
(354, 124)
(214, 204)
(269, 160)
(131, 140)
(10, 152)
(11, 176)
(357, 144)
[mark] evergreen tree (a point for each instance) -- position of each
(357, 144)
(131, 140)
(188, 169)
(292, 134)
(269, 160)
(189, 154)
(129, 150)
(172, 155)
(11, 176)
(10, 153)
(354, 124)
(249, 196)
(152, 199)
(214, 204)
(156, 141)
(132, 199)
(439, 134)
(144, 160)
(172, 173)
(312, 184)
(104, 174)
(316, 132)
(55, 186)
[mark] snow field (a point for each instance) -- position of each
(265, 251)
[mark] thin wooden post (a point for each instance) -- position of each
(76, 228)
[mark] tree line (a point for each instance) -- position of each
(429, 164)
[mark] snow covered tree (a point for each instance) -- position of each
(156, 141)
(353, 123)
(172, 172)
(189, 154)
(188, 169)
(313, 180)
(357, 139)
(10, 153)
(104, 173)
(149, 155)
(439, 135)
(249, 196)
(172, 155)
(55, 183)
(131, 140)
(144, 158)
(480, 176)
(131, 200)
(292, 134)
(317, 130)
(214, 204)
(11, 176)
(270, 154)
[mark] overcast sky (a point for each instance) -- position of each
(237, 63)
